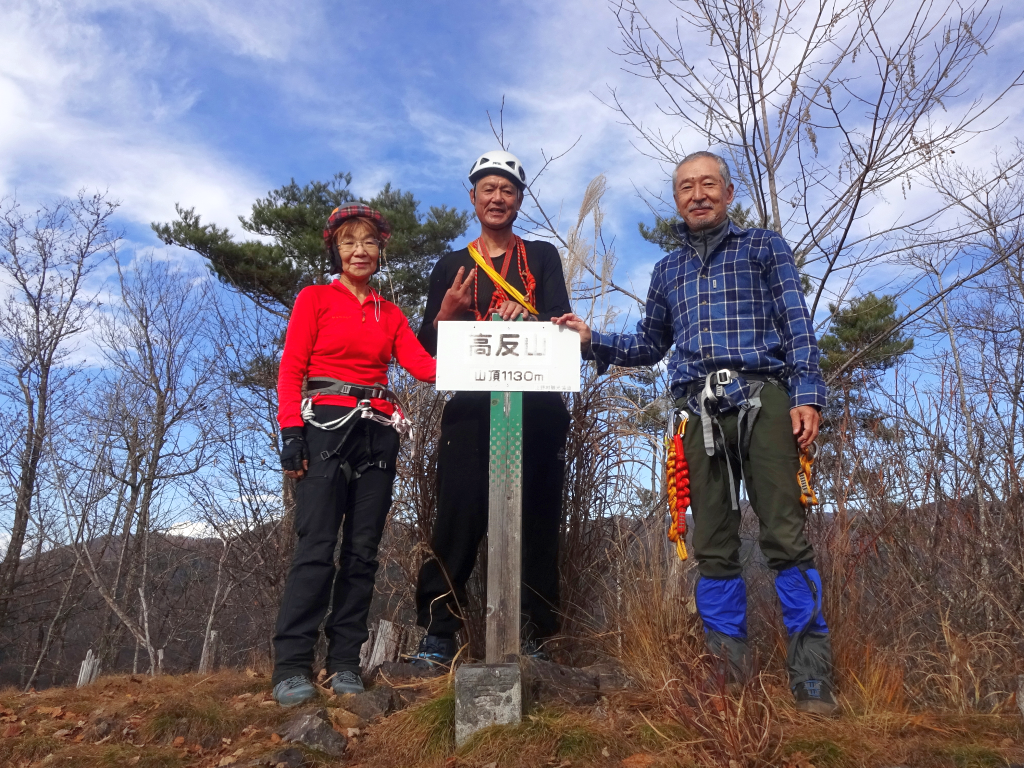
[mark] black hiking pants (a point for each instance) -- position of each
(328, 504)
(462, 480)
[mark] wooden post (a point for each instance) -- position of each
(89, 670)
(504, 526)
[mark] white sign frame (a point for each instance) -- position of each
(519, 356)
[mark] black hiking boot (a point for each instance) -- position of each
(434, 653)
(535, 650)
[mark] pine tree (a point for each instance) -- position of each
(853, 331)
(292, 218)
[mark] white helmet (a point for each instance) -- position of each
(501, 162)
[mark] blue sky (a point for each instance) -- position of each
(211, 104)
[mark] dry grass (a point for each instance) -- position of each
(191, 721)
(124, 720)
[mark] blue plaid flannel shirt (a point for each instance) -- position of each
(742, 309)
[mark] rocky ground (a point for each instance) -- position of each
(588, 717)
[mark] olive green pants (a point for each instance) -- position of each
(769, 469)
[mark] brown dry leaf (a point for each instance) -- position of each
(12, 730)
(134, 760)
(1006, 743)
(12, 718)
(798, 760)
(250, 672)
(178, 741)
(639, 760)
(275, 739)
(342, 719)
(227, 761)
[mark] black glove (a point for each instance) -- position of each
(293, 449)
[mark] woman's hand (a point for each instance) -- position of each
(457, 299)
(575, 323)
(294, 453)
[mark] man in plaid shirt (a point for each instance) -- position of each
(745, 369)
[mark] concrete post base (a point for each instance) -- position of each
(486, 694)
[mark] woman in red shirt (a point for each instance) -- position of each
(340, 444)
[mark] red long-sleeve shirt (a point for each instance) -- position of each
(331, 335)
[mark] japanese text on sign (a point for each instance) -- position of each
(516, 356)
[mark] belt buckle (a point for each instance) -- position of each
(723, 377)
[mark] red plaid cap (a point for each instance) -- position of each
(355, 211)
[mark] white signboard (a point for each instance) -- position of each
(507, 357)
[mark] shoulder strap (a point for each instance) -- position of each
(499, 280)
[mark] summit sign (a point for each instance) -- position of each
(507, 357)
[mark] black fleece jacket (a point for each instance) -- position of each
(552, 299)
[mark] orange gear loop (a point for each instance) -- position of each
(804, 475)
(677, 482)
(517, 252)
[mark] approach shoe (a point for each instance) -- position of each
(534, 650)
(434, 653)
(347, 682)
(814, 697)
(294, 691)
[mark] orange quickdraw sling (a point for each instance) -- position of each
(677, 483)
(804, 475)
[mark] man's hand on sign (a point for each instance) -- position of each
(509, 310)
(806, 421)
(457, 299)
(575, 323)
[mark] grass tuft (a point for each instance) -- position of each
(824, 753)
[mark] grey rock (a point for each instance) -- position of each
(1020, 694)
(99, 728)
(285, 758)
(313, 729)
(379, 701)
(545, 682)
(400, 670)
(485, 695)
(610, 677)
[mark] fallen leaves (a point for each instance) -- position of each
(639, 760)
(798, 760)
(14, 729)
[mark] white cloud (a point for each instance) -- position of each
(82, 111)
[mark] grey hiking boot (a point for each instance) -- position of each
(294, 691)
(814, 697)
(346, 682)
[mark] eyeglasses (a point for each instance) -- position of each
(350, 246)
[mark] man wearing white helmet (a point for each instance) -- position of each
(461, 291)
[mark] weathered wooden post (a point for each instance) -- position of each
(505, 359)
(504, 526)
